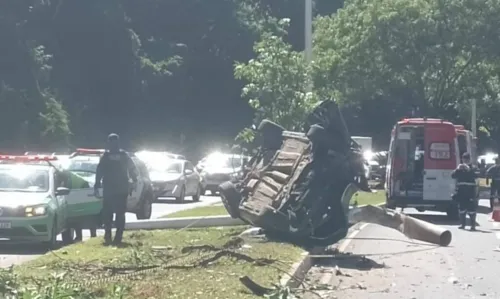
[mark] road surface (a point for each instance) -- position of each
(395, 267)
(12, 255)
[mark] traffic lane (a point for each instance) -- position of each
(14, 255)
(397, 267)
(168, 206)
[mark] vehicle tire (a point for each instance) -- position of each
(68, 236)
(146, 208)
(452, 212)
(182, 195)
(317, 134)
(272, 134)
(231, 198)
(421, 210)
(197, 196)
(52, 243)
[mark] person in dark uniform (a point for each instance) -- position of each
(465, 174)
(115, 169)
(493, 173)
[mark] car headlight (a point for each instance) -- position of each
(35, 211)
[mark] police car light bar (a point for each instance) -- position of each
(27, 158)
(89, 151)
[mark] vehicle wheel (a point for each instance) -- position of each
(421, 210)
(231, 198)
(317, 134)
(272, 137)
(197, 196)
(452, 212)
(181, 197)
(68, 236)
(52, 243)
(146, 208)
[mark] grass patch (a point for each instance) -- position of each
(367, 198)
(219, 279)
(199, 212)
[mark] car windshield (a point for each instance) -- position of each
(23, 178)
(223, 161)
(85, 165)
(169, 166)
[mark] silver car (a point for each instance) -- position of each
(218, 168)
(175, 178)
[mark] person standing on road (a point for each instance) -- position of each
(465, 174)
(115, 169)
(493, 173)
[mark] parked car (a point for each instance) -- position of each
(218, 168)
(84, 163)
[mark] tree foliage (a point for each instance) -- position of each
(434, 54)
(277, 81)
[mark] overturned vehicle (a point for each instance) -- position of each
(299, 184)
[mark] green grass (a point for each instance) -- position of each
(367, 198)
(89, 260)
(362, 198)
(199, 212)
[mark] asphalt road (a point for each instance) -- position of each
(12, 255)
(386, 264)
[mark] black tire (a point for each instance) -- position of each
(272, 134)
(231, 198)
(146, 208)
(452, 212)
(197, 196)
(318, 135)
(182, 195)
(52, 243)
(68, 236)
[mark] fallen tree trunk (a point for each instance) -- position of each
(411, 227)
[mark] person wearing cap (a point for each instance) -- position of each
(493, 174)
(465, 195)
(115, 169)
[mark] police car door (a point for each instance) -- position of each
(440, 159)
(135, 196)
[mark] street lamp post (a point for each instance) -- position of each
(308, 37)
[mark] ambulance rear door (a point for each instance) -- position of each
(440, 160)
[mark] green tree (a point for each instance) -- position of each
(435, 54)
(276, 81)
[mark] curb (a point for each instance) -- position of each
(299, 270)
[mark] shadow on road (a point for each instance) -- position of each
(10, 249)
(167, 200)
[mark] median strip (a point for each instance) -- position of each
(165, 264)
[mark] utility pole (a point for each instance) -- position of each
(473, 118)
(308, 37)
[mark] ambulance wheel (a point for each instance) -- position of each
(452, 212)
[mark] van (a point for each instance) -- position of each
(423, 153)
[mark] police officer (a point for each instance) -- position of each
(115, 169)
(465, 174)
(493, 173)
